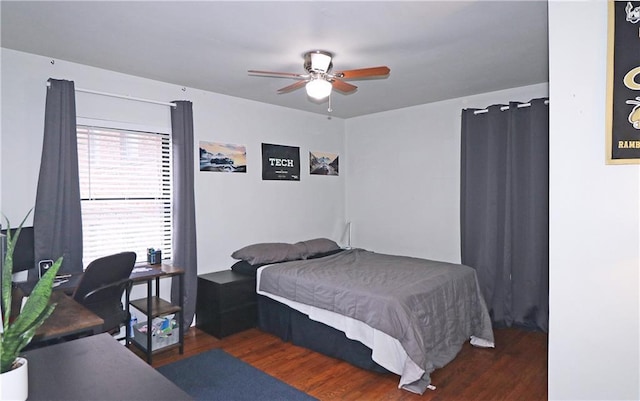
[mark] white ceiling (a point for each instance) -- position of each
(436, 50)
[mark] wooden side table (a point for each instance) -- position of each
(226, 303)
(153, 306)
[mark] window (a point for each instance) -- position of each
(125, 190)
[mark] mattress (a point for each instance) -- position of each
(312, 288)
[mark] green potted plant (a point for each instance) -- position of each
(17, 333)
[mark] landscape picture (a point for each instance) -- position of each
(323, 163)
(223, 157)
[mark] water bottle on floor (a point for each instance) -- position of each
(132, 325)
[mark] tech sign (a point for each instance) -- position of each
(623, 83)
(280, 162)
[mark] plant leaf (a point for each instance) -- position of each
(7, 270)
(15, 341)
(17, 334)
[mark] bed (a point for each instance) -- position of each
(405, 315)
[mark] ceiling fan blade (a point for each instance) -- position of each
(363, 73)
(278, 74)
(343, 87)
(292, 87)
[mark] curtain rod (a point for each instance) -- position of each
(138, 99)
(503, 108)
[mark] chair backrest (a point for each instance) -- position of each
(102, 285)
(103, 271)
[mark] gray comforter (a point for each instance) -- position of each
(430, 307)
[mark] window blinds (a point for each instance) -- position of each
(125, 190)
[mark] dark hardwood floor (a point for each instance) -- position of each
(515, 370)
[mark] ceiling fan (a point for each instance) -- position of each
(319, 80)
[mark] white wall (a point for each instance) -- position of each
(403, 175)
(232, 210)
(594, 222)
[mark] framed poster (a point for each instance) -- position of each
(280, 162)
(223, 157)
(623, 83)
(323, 163)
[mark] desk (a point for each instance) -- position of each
(95, 368)
(68, 318)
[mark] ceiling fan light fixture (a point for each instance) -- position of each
(318, 88)
(319, 80)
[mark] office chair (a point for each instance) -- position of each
(102, 285)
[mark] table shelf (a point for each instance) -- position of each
(153, 306)
(143, 348)
(159, 307)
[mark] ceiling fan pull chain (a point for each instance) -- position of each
(329, 110)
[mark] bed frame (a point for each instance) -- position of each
(296, 327)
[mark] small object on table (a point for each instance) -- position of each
(154, 256)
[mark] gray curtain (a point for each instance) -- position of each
(57, 216)
(505, 210)
(184, 213)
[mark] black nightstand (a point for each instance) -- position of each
(226, 303)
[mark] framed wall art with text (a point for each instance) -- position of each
(280, 162)
(623, 83)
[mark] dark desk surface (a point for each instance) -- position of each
(69, 317)
(95, 368)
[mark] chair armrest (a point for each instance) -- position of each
(124, 283)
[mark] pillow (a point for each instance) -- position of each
(318, 245)
(246, 268)
(269, 252)
(323, 254)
